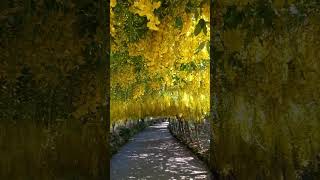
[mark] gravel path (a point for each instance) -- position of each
(156, 154)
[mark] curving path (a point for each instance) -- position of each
(156, 154)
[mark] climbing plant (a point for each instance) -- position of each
(159, 59)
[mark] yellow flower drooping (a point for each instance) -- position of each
(175, 77)
(146, 8)
(138, 92)
(113, 3)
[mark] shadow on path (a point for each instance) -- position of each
(156, 154)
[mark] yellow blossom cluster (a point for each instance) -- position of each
(138, 91)
(146, 8)
(175, 79)
(112, 29)
(123, 79)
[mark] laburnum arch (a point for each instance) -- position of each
(265, 85)
(159, 58)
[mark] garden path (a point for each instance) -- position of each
(155, 154)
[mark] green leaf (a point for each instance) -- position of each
(188, 67)
(205, 29)
(179, 22)
(197, 30)
(201, 24)
(200, 47)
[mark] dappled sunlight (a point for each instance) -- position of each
(155, 154)
(161, 126)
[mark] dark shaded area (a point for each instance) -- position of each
(264, 90)
(54, 89)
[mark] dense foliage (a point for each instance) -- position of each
(264, 85)
(159, 59)
(265, 90)
(53, 81)
(49, 59)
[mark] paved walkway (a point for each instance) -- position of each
(156, 154)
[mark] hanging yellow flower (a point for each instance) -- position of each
(146, 8)
(113, 3)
